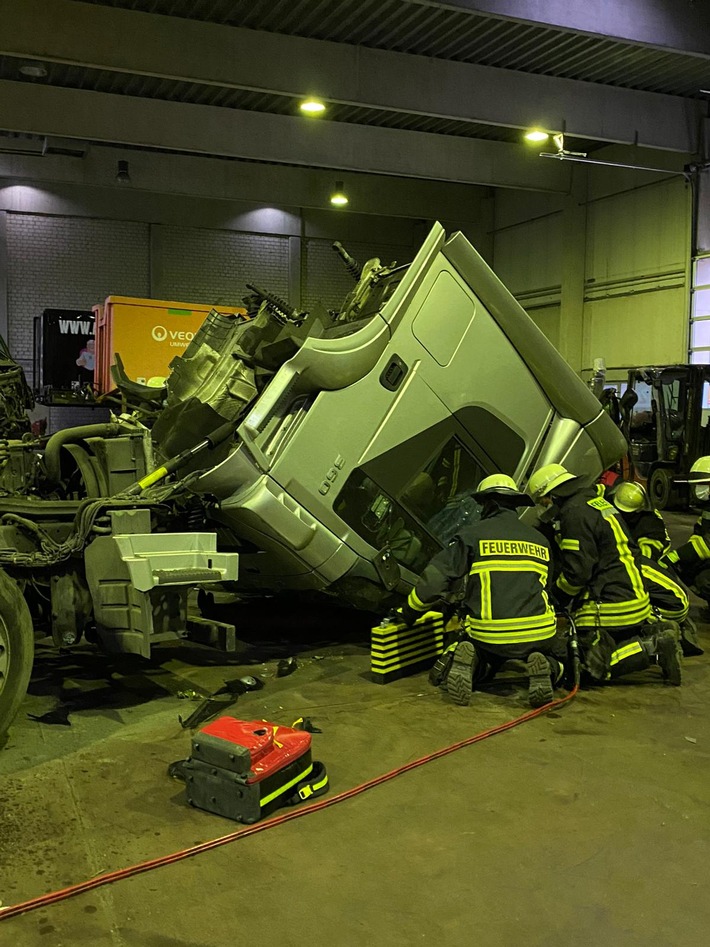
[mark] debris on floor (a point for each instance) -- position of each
(286, 666)
(227, 695)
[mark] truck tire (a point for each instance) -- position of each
(663, 492)
(17, 648)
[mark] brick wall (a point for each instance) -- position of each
(68, 262)
(58, 417)
(213, 266)
(75, 262)
(325, 278)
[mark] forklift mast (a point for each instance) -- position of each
(666, 424)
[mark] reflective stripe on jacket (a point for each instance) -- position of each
(503, 565)
(649, 532)
(599, 564)
(694, 555)
(668, 597)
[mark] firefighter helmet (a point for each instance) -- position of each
(547, 479)
(700, 471)
(630, 497)
(500, 485)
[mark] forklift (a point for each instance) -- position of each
(664, 418)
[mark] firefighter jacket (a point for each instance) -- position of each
(599, 566)
(665, 590)
(504, 565)
(649, 532)
(694, 556)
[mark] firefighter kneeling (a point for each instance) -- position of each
(692, 559)
(505, 565)
(669, 598)
(600, 577)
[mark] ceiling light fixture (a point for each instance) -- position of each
(35, 70)
(122, 175)
(536, 134)
(312, 106)
(339, 198)
(562, 152)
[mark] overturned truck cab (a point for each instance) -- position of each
(348, 444)
(357, 460)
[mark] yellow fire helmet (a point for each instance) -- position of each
(700, 471)
(501, 485)
(547, 478)
(630, 497)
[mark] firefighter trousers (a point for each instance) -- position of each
(608, 653)
(493, 656)
(668, 597)
(701, 583)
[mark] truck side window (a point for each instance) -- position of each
(381, 521)
(440, 495)
(434, 504)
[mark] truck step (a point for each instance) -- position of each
(185, 576)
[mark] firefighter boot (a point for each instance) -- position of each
(597, 648)
(669, 656)
(441, 667)
(689, 638)
(539, 679)
(460, 677)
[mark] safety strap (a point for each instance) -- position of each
(315, 784)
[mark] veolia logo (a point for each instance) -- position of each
(159, 333)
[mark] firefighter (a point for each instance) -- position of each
(692, 559)
(601, 581)
(669, 599)
(503, 565)
(645, 524)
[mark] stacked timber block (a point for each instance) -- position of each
(397, 650)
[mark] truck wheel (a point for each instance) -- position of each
(17, 648)
(663, 492)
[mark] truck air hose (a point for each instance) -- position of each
(70, 435)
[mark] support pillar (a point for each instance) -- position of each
(294, 271)
(157, 290)
(574, 226)
(4, 319)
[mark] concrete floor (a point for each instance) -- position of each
(589, 825)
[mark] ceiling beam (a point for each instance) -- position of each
(665, 24)
(200, 129)
(127, 41)
(209, 180)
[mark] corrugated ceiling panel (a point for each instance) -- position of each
(451, 34)
(118, 83)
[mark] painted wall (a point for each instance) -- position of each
(703, 226)
(605, 271)
(527, 254)
(547, 319)
(636, 288)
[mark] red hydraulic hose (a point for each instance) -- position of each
(62, 894)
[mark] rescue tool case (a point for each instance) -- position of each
(245, 769)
